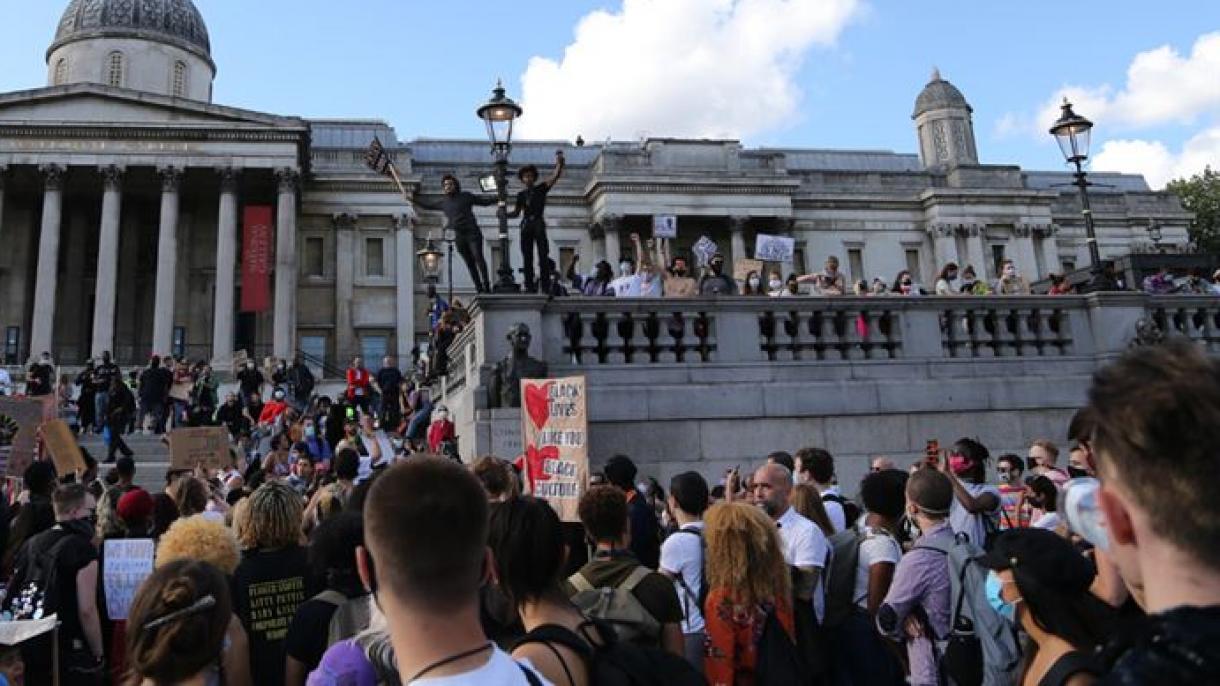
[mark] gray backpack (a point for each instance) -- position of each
(350, 618)
(618, 607)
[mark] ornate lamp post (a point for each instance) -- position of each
(430, 265)
(499, 114)
(1073, 133)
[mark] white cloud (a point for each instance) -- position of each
(698, 68)
(1156, 161)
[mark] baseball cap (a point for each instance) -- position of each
(135, 505)
(1046, 557)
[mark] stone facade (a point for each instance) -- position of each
(121, 206)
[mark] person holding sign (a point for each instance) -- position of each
(531, 202)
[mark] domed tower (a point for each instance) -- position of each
(944, 124)
(157, 46)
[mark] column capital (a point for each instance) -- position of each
(52, 176)
(229, 178)
(288, 179)
(112, 177)
(402, 222)
(611, 222)
(738, 223)
(597, 231)
(171, 179)
(344, 221)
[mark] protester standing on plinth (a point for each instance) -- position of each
(531, 202)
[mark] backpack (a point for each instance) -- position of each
(701, 598)
(777, 659)
(350, 618)
(851, 511)
(841, 579)
(34, 588)
(614, 662)
(981, 648)
(618, 607)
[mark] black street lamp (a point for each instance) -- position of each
(1073, 133)
(430, 264)
(499, 113)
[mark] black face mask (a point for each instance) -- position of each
(1077, 472)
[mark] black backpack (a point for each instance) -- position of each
(778, 661)
(851, 511)
(613, 662)
(34, 590)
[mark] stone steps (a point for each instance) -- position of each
(150, 454)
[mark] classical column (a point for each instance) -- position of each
(975, 251)
(3, 173)
(1023, 252)
(167, 262)
(285, 319)
(1050, 250)
(737, 241)
(43, 324)
(944, 245)
(404, 274)
(107, 282)
(226, 266)
(345, 266)
(611, 223)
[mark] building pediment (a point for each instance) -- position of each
(87, 105)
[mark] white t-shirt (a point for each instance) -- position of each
(877, 547)
(682, 556)
(626, 286)
(806, 546)
(500, 668)
(1048, 520)
(834, 511)
(963, 521)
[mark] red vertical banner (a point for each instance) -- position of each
(257, 249)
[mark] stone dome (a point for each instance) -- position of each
(175, 22)
(939, 94)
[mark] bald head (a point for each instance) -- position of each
(883, 464)
(772, 489)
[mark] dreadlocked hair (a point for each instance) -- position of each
(744, 554)
(272, 518)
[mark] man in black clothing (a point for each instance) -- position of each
(118, 414)
(249, 380)
(300, 382)
(389, 383)
(85, 401)
(531, 202)
(72, 595)
(458, 206)
(40, 376)
(1156, 424)
(645, 528)
(104, 375)
(717, 282)
(229, 415)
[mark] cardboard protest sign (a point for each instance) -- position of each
(742, 267)
(774, 248)
(665, 226)
(206, 446)
(127, 563)
(19, 422)
(704, 249)
(61, 444)
(555, 434)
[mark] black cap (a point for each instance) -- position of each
(1042, 555)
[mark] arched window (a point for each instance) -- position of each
(61, 71)
(179, 85)
(114, 72)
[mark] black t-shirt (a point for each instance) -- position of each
(645, 531)
(105, 374)
(307, 635)
(250, 380)
(39, 382)
(268, 588)
(459, 210)
(1181, 646)
(532, 202)
(389, 379)
(73, 555)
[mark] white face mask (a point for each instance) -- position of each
(754, 282)
(624, 267)
(775, 284)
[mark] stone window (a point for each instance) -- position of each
(314, 256)
(374, 257)
(855, 264)
(179, 85)
(997, 258)
(1068, 265)
(913, 265)
(373, 347)
(114, 69)
(61, 71)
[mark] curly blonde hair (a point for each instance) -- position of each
(199, 538)
(272, 518)
(744, 554)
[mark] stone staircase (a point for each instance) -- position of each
(151, 456)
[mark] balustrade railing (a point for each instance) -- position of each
(1195, 317)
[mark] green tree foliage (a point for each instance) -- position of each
(1200, 195)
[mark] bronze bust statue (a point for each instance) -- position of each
(505, 388)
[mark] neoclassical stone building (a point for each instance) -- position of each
(123, 187)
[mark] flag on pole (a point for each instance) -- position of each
(378, 159)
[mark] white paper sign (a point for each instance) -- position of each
(774, 248)
(665, 226)
(128, 561)
(704, 249)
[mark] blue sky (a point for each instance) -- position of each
(802, 73)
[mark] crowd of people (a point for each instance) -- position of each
(366, 569)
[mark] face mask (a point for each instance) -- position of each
(951, 276)
(311, 431)
(906, 284)
(775, 284)
(754, 283)
(1006, 476)
(624, 267)
(442, 416)
(680, 271)
(993, 588)
(1077, 472)
(959, 464)
(1010, 271)
(910, 527)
